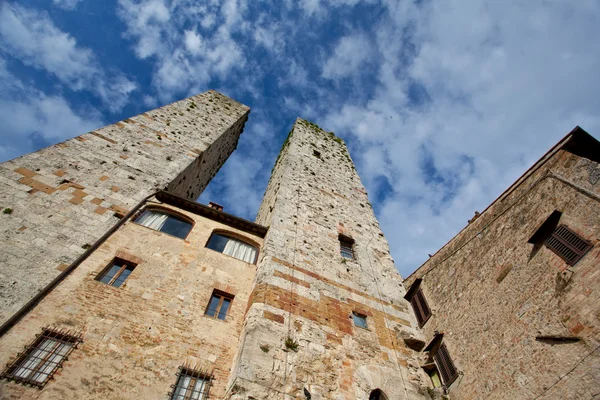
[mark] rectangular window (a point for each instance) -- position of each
(346, 247)
(219, 305)
(42, 357)
(445, 365)
(117, 272)
(360, 320)
(567, 244)
(191, 385)
(417, 300)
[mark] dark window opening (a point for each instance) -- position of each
(42, 357)
(417, 300)
(219, 305)
(117, 272)
(360, 320)
(377, 394)
(233, 247)
(567, 245)
(346, 247)
(191, 385)
(164, 222)
(546, 229)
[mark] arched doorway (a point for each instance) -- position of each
(377, 394)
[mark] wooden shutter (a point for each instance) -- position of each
(568, 245)
(422, 310)
(445, 365)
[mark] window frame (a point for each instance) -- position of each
(447, 370)
(61, 337)
(222, 296)
(416, 298)
(234, 236)
(557, 239)
(171, 213)
(195, 375)
(360, 316)
(347, 243)
(113, 262)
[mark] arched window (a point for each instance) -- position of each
(233, 247)
(377, 394)
(164, 222)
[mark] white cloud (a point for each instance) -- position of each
(66, 4)
(193, 42)
(348, 56)
(31, 37)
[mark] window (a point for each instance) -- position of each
(219, 304)
(567, 245)
(445, 365)
(360, 320)
(346, 247)
(191, 385)
(164, 222)
(417, 300)
(232, 247)
(42, 357)
(377, 394)
(116, 272)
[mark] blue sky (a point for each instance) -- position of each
(443, 104)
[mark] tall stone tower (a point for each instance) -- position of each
(58, 201)
(327, 307)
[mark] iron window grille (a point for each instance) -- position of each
(445, 365)
(192, 384)
(116, 272)
(42, 357)
(417, 300)
(567, 245)
(219, 305)
(346, 247)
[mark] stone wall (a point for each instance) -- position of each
(136, 336)
(492, 293)
(305, 292)
(61, 199)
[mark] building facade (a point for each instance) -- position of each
(515, 296)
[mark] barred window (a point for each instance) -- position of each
(42, 357)
(219, 304)
(417, 300)
(346, 247)
(117, 272)
(191, 384)
(445, 365)
(567, 245)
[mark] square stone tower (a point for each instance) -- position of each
(327, 308)
(58, 201)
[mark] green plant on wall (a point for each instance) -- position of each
(291, 344)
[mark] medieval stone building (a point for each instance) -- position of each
(117, 285)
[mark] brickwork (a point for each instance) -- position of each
(305, 291)
(136, 336)
(495, 296)
(63, 198)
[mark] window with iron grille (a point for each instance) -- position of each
(191, 384)
(40, 360)
(346, 247)
(567, 244)
(417, 300)
(219, 304)
(445, 365)
(116, 273)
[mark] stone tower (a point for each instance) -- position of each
(58, 201)
(300, 339)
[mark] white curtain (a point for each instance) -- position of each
(152, 219)
(240, 250)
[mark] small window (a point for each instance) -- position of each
(164, 222)
(360, 320)
(346, 247)
(191, 385)
(233, 247)
(42, 357)
(417, 300)
(568, 245)
(219, 305)
(445, 365)
(117, 272)
(377, 394)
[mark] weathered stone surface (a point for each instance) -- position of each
(64, 197)
(492, 292)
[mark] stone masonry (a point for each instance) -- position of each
(518, 321)
(299, 335)
(58, 201)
